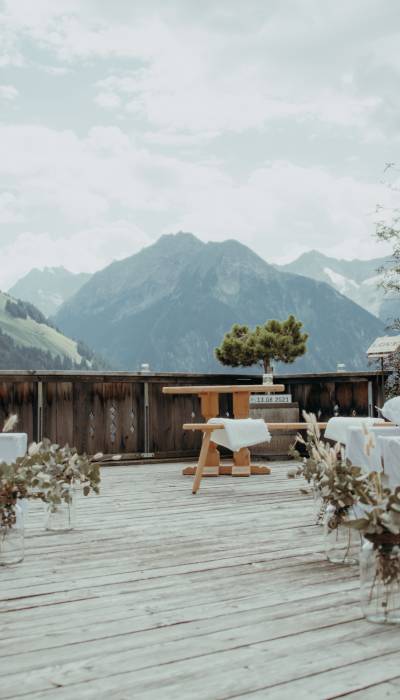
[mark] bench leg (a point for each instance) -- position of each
(202, 461)
(241, 463)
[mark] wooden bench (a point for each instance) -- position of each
(272, 427)
(208, 428)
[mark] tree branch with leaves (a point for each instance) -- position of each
(274, 341)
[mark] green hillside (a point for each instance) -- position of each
(29, 341)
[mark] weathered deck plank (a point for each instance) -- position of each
(160, 594)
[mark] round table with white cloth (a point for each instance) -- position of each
(336, 428)
(364, 446)
(12, 446)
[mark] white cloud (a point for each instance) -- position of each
(385, 51)
(81, 185)
(108, 100)
(80, 178)
(184, 87)
(192, 74)
(8, 92)
(83, 251)
(281, 210)
(56, 70)
(10, 208)
(208, 83)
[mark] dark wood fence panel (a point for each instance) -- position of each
(127, 413)
(167, 414)
(58, 413)
(348, 394)
(88, 417)
(108, 417)
(123, 417)
(19, 398)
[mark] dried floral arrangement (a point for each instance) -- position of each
(47, 472)
(383, 520)
(10, 423)
(339, 483)
(342, 486)
(380, 525)
(13, 486)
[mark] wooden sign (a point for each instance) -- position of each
(270, 398)
(384, 346)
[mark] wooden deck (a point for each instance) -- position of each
(164, 595)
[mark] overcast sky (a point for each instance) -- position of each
(269, 121)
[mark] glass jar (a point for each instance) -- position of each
(380, 579)
(342, 544)
(319, 509)
(12, 539)
(61, 517)
(268, 378)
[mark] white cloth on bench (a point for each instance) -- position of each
(337, 427)
(239, 433)
(12, 446)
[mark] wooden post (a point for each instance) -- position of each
(39, 427)
(241, 459)
(209, 406)
(146, 422)
(210, 409)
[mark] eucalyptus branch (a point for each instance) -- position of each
(47, 472)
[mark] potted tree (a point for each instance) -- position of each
(274, 341)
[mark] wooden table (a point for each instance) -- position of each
(209, 400)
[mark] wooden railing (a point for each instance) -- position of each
(127, 413)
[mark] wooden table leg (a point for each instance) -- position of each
(241, 460)
(209, 409)
(202, 461)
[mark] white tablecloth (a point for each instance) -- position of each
(240, 433)
(390, 447)
(12, 445)
(365, 450)
(337, 427)
(391, 410)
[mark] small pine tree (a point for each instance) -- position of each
(275, 341)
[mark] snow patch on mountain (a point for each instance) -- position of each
(339, 281)
(356, 279)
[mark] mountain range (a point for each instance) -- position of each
(357, 279)
(29, 341)
(171, 303)
(49, 288)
